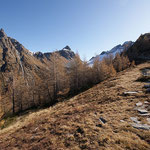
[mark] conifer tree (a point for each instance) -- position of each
(57, 74)
(75, 73)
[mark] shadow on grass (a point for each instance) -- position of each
(7, 121)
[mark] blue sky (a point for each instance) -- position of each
(87, 26)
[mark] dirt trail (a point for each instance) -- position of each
(75, 124)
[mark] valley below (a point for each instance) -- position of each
(103, 117)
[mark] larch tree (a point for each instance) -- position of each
(57, 74)
(86, 74)
(110, 68)
(125, 62)
(118, 63)
(96, 70)
(75, 73)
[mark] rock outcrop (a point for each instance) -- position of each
(140, 50)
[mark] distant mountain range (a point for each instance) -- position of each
(65, 53)
(117, 49)
(138, 51)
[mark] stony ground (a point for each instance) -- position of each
(96, 119)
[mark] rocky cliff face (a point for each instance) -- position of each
(24, 77)
(14, 54)
(140, 50)
(19, 73)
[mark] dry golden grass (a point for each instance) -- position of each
(74, 124)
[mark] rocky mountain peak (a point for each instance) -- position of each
(66, 52)
(103, 52)
(140, 50)
(66, 48)
(39, 55)
(2, 33)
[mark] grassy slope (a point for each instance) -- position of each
(74, 124)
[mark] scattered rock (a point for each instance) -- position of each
(147, 86)
(141, 126)
(148, 90)
(80, 130)
(148, 119)
(99, 125)
(129, 93)
(148, 82)
(134, 119)
(139, 104)
(36, 129)
(147, 114)
(141, 107)
(142, 111)
(102, 120)
(122, 121)
(146, 102)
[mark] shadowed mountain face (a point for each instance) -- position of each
(24, 77)
(140, 50)
(13, 54)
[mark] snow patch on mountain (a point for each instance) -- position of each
(117, 49)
